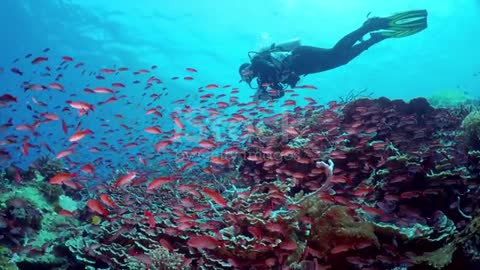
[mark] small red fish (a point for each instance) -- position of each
(161, 145)
(56, 86)
(79, 135)
(103, 90)
(125, 179)
(16, 71)
(211, 86)
(203, 241)
(39, 60)
(65, 213)
(153, 130)
(219, 161)
(80, 105)
(25, 147)
(8, 98)
(64, 127)
(88, 168)
(151, 219)
(118, 85)
(158, 182)
(67, 58)
(61, 177)
(64, 153)
(178, 122)
(107, 200)
(216, 197)
(97, 207)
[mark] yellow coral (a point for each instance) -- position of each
(335, 225)
(471, 126)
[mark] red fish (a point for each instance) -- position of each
(64, 127)
(79, 135)
(216, 197)
(16, 71)
(153, 130)
(341, 248)
(56, 86)
(219, 161)
(65, 213)
(107, 200)
(161, 145)
(80, 105)
(158, 182)
(211, 86)
(39, 60)
(25, 147)
(125, 179)
(107, 70)
(203, 241)
(118, 85)
(59, 178)
(207, 144)
(151, 219)
(307, 87)
(8, 98)
(35, 87)
(178, 122)
(64, 153)
(97, 207)
(51, 116)
(67, 58)
(103, 90)
(88, 168)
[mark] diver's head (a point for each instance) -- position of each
(246, 72)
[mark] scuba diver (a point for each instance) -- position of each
(280, 65)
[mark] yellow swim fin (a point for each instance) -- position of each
(405, 24)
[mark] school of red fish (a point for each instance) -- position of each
(219, 183)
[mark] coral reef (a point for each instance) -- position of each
(471, 126)
(32, 230)
(367, 184)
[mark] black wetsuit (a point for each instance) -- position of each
(305, 60)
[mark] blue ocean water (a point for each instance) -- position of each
(214, 37)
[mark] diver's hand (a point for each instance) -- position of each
(261, 95)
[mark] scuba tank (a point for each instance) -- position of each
(288, 45)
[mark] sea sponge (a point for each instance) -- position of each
(471, 127)
(67, 203)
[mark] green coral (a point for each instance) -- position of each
(7, 261)
(449, 98)
(471, 127)
(29, 194)
(53, 228)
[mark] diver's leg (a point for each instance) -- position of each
(372, 24)
(345, 55)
